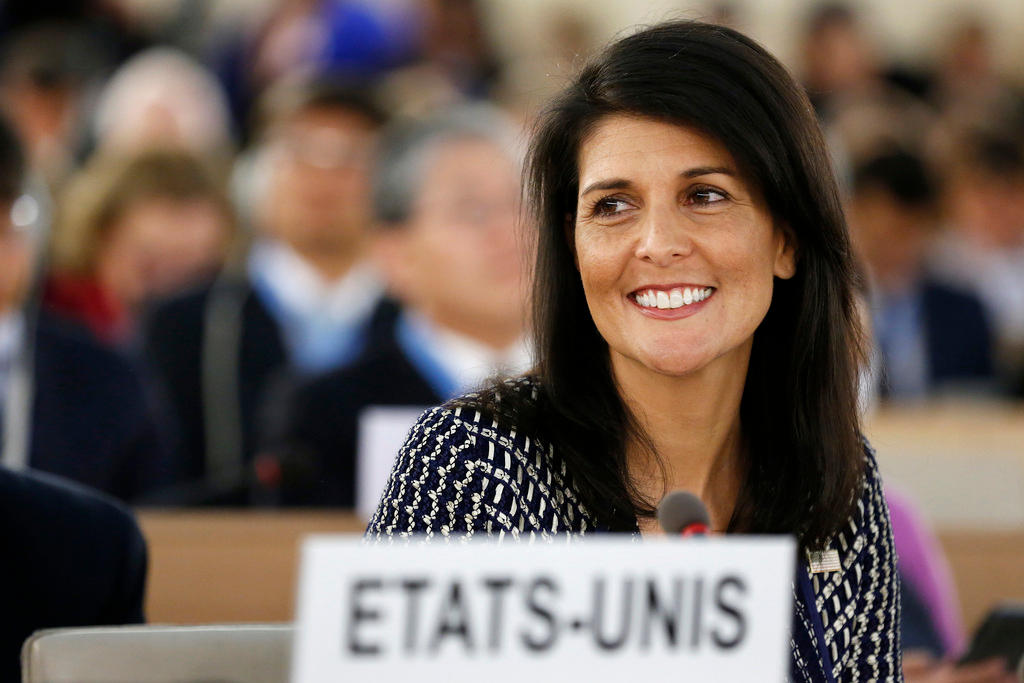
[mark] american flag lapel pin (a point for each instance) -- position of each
(824, 561)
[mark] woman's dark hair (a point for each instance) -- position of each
(799, 407)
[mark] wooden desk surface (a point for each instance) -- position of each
(988, 567)
(227, 566)
(971, 425)
(241, 566)
(962, 464)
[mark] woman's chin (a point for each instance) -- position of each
(673, 364)
(675, 369)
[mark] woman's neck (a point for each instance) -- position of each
(693, 423)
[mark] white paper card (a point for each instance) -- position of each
(608, 608)
(382, 432)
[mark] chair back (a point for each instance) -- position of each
(219, 653)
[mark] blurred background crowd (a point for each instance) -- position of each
(228, 230)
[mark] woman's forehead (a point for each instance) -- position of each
(637, 145)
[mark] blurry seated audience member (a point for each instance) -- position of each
(132, 229)
(45, 69)
(983, 246)
(303, 299)
(931, 631)
(69, 406)
(932, 337)
(357, 41)
(162, 97)
(864, 104)
(455, 45)
(967, 76)
(931, 610)
(71, 558)
(445, 199)
(849, 82)
(837, 55)
(931, 628)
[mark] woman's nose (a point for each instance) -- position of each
(663, 238)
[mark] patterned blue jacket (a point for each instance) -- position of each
(460, 474)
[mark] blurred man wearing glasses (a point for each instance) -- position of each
(301, 300)
(445, 208)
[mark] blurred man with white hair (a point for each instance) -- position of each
(162, 97)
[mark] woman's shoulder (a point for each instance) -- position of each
(855, 582)
(466, 467)
(868, 528)
(871, 515)
(480, 420)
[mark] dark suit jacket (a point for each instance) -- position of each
(917, 628)
(91, 418)
(173, 338)
(68, 557)
(173, 342)
(958, 336)
(319, 437)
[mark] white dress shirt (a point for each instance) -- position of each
(321, 320)
(467, 362)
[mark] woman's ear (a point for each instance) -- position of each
(786, 253)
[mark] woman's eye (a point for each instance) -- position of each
(703, 196)
(610, 206)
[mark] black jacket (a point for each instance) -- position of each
(958, 336)
(92, 418)
(318, 439)
(225, 325)
(68, 557)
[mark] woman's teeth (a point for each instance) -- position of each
(675, 298)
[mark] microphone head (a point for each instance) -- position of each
(681, 509)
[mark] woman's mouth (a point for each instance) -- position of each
(668, 299)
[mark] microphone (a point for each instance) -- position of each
(682, 513)
(260, 482)
(286, 474)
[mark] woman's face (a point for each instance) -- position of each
(161, 245)
(677, 252)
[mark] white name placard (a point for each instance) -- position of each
(605, 608)
(382, 431)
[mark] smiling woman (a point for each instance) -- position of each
(679, 222)
(694, 329)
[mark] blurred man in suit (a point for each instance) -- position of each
(302, 300)
(933, 337)
(69, 406)
(445, 204)
(70, 558)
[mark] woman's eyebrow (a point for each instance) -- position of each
(707, 170)
(610, 184)
(623, 184)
